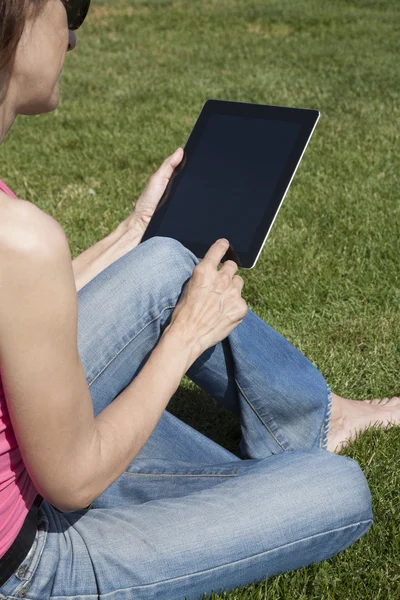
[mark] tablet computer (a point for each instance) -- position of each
(238, 163)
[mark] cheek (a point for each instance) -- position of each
(41, 58)
(54, 57)
(38, 72)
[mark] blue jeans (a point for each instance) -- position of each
(188, 517)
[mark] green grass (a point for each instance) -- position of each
(328, 277)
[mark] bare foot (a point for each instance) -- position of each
(350, 416)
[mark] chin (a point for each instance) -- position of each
(42, 105)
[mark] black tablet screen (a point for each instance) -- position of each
(229, 178)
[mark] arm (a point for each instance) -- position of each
(95, 259)
(70, 455)
(124, 426)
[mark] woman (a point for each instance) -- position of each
(104, 493)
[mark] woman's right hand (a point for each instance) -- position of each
(211, 305)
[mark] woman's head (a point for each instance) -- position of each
(34, 40)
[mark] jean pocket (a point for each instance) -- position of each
(28, 566)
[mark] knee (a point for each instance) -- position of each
(160, 248)
(166, 261)
(349, 491)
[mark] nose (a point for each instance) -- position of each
(71, 40)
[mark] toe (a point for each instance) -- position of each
(383, 401)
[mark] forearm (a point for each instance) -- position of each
(95, 259)
(125, 425)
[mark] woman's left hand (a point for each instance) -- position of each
(145, 206)
(129, 233)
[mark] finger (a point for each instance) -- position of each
(167, 167)
(177, 156)
(238, 282)
(216, 252)
(230, 267)
(159, 180)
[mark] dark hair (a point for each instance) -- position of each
(13, 14)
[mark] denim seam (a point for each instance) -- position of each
(261, 419)
(129, 341)
(184, 474)
(138, 587)
(326, 422)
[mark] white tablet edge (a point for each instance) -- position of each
(283, 197)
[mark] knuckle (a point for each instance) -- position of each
(231, 263)
(245, 308)
(198, 271)
(200, 268)
(224, 276)
(209, 262)
(236, 291)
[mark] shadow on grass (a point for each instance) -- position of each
(202, 412)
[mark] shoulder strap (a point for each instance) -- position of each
(6, 189)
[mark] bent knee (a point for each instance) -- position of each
(349, 488)
(162, 266)
(168, 255)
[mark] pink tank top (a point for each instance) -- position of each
(17, 491)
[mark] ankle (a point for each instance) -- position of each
(337, 412)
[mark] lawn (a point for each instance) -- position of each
(328, 276)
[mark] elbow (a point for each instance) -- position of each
(71, 506)
(64, 504)
(68, 502)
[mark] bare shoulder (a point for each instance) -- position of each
(26, 228)
(34, 259)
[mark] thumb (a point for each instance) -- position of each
(169, 164)
(159, 180)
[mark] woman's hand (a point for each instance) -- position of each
(129, 233)
(210, 306)
(146, 205)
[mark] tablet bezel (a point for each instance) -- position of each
(308, 119)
